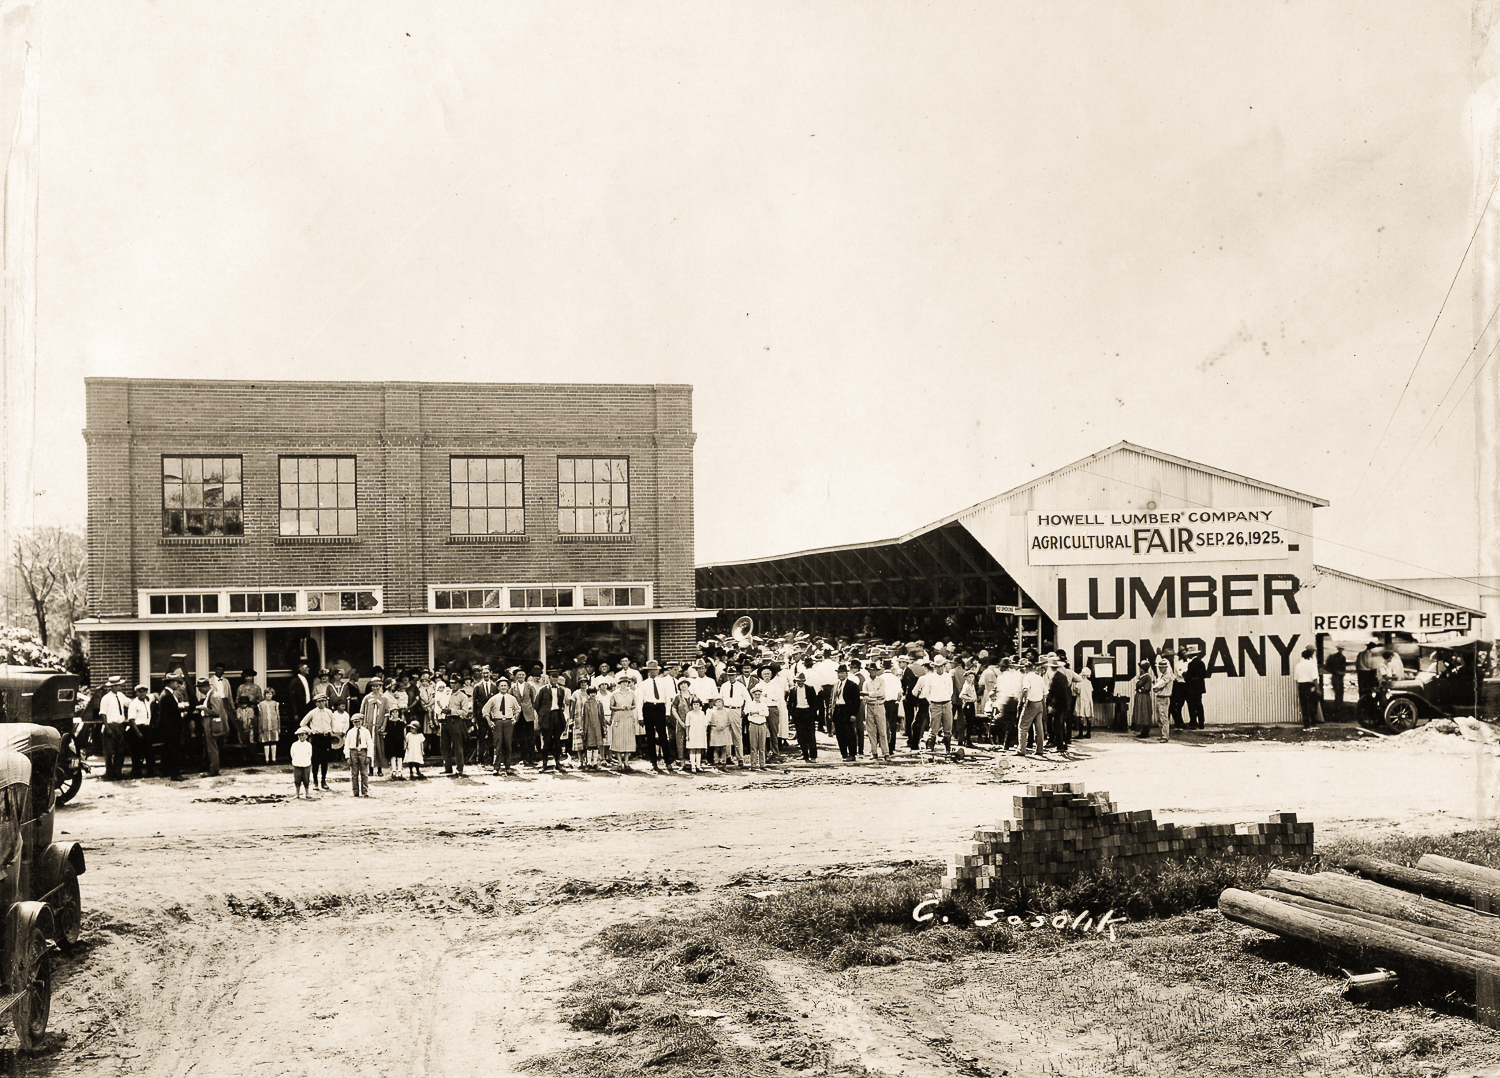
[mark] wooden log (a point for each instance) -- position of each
(1432, 884)
(1485, 877)
(1388, 901)
(1367, 946)
(1459, 941)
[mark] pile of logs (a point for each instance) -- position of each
(1432, 921)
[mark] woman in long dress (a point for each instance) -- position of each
(622, 708)
(1140, 704)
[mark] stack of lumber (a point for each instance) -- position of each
(1432, 920)
(1060, 832)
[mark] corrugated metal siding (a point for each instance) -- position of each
(1130, 480)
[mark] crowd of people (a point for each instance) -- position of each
(724, 710)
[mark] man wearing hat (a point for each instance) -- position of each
(484, 688)
(114, 707)
(657, 692)
(299, 694)
(170, 726)
(844, 697)
(138, 733)
(936, 688)
(1194, 683)
(374, 708)
(735, 697)
(207, 715)
(802, 705)
(319, 724)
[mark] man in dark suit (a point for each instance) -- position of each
(803, 702)
(845, 703)
(299, 698)
(1194, 684)
(1059, 704)
(170, 726)
(483, 690)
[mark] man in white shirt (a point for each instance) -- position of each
(114, 711)
(1031, 704)
(890, 685)
(774, 684)
(937, 689)
(802, 706)
(1005, 699)
(138, 733)
(1305, 674)
(704, 688)
(822, 676)
(735, 697)
(656, 694)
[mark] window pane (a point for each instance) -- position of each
(460, 599)
(517, 598)
(458, 521)
(601, 494)
(620, 522)
(348, 522)
(213, 497)
(236, 604)
(307, 522)
(458, 469)
(496, 525)
(619, 494)
(601, 521)
(365, 600)
(171, 468)
(257, 603)
(565, 597)
(174, 604)
(307, 469)
(476, 598)
(192, 604)
(288, 496)
(328, 495)
(328, 469)
(210, 604)
(234, 522)
(346, 496)
(512, 469)
(346, 469)
(195, 521)
(476, 470)
(565, 469)
(289, 522)
(171, 496)
(192, 469)
(565, 495)
(494, 494)
(441, 600)
(348, 601)
(458, 495)
(213, 471)
(231, 469)
(192, 495)
(590, 596)
(314, 600)
(213, 523)
(515, 521)
(233, 496)
(158, 604)
(513, 495)
(328, 521)
(288, 469)
(492, 598)
(494, 470)
(637, 596)
(479, 522)
(565, 521)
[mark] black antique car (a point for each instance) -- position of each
(47, 697)
(39, 890)
(1454, 678)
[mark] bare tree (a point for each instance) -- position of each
(52, 567)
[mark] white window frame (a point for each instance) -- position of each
(506, 610)
(144, 595)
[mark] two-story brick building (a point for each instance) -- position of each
(255, 523)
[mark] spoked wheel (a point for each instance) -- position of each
(1403, 715)
(69, 783)
(29, 972)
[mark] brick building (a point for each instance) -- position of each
(393, 523)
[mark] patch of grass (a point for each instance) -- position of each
(1476, 847)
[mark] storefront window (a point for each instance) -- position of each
(599, 640)
(166, 643)
(351, 647)
(472, 644)
(232, 647)
(285, 649)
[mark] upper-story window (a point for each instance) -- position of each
(593, 495)
(318, 496)
(202, 496)
(485, 497)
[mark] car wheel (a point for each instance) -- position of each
(30, 972)
(68, 784)
(1403, 715)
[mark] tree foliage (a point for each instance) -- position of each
(51, 567)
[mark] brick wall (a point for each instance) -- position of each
(402, 435)
(1061, 833)
(676, 641)
(405, 645)
(112, 654)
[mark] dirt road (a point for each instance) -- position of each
(431, 929)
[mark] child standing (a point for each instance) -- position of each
(415, 751)
(395, 741)
(357, 749)
(593, 727)
(269, 724)
(697, 732)
(756, 717)
(302, 755)
(719, 738)
(340, 731)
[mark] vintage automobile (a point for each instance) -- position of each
(1452, 678)
(46, 697)
(41, 900)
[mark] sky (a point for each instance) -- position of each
(908, 254)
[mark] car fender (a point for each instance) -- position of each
(55, 855)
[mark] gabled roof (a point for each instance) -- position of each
(1446, 604)
(1084, 463)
